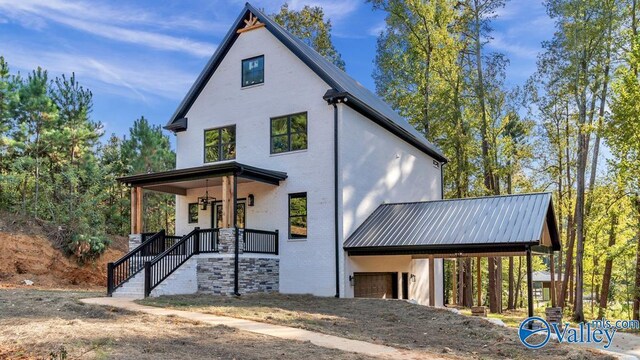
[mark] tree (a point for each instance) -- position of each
(309, 25)
(624, 139)
(148, 150)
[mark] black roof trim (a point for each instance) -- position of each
(360, 98)
(207, 171)
(443, 249)
(177, 126)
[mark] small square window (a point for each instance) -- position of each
(253, 71)
(298, 216)
(193, 213)
(220, 144)
(289, 133)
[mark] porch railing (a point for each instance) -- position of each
(126, 267)
(261, 241)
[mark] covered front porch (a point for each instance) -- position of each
(222, 223)
(226, 195)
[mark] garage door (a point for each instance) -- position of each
(376, 285)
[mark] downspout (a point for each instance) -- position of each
(444, 274)
(334, 97)
(335, 197)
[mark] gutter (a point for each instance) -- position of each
(334, 97)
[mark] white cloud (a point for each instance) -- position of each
(512, 48)
(335, 10)
(121, 24)
(134, 79)
(377, 28)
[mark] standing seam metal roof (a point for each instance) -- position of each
(484, 221)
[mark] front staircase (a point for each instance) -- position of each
(163, 259)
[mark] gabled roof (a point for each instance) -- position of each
(359, 98)
(493, 223)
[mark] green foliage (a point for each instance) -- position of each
(309, 25)
(53, 166)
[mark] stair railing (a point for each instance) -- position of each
(125, 268)
(163, 265)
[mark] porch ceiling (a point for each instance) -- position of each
(179, 180)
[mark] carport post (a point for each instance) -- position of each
(529, 282)
(479, 281)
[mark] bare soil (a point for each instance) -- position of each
(33, 257)
(29, 250)
(37, 324)
(390, 322)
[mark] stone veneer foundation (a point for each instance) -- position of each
(257, 272)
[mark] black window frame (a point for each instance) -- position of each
(306, 214)
(242, 71)
(221, 144)
(289, 133)
(189, 218)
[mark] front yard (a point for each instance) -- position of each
(37, 324)
(391, 322)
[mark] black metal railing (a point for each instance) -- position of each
(261, 241)
(163, 265)
(209, 240)
(126, 267)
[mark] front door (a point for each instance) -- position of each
(376, 285)
(216, 214)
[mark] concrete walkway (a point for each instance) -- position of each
(282, 332)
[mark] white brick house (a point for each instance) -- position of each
(303, 149)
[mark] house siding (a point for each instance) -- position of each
(378, 167)
(306, 266)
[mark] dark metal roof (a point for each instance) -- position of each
(359, 97)
(207, 171)
(484, 224)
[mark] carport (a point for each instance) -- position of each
(492, 226)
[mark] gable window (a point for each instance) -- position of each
(193, 213)
(289, 133)
(253, 71)
(220, 144)
(298, 216)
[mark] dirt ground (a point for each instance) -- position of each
(28, 252)
(36, 324)
(389, 322)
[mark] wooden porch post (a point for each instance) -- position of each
(136, 210)
(227, 199)
(454, 283)
(479, 281)
(552, 291)
(432, 281)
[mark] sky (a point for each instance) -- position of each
(139, 58)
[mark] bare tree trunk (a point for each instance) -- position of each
(608, 267)
(636, 290)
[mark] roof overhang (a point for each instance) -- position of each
(512, 224)
(169, 181)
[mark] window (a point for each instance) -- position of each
(253, 71)
(193, 213)
(289, 133)
(240, 218)
(220, 144)
(298, 216)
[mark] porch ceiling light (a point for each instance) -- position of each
(205, 200)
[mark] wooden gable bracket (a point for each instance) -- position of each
(251, 23)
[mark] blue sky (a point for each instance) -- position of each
(141, 57)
